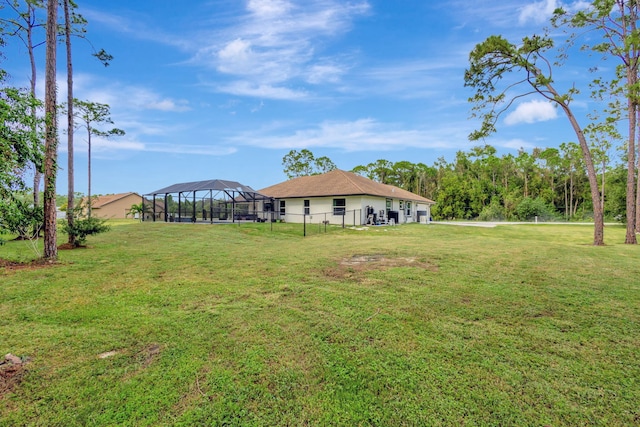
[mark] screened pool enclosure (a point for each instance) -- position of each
(211, 201)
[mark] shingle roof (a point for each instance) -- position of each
(337, 183)
(101, 201)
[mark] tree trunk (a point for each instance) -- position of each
(638, 168)
(604, 168)
(571, 191)
(598, 218)
(566, 201)
(70, 126)
(51, 135)
(37, 176)
(630, 237)
(89, 172)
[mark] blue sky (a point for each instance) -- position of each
(225, 88)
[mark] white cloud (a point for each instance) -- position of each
(321, 73)
(415, 78)
(531, 112)
(368, 135)
(541, 11)
(101, 145)
(124, 97)
(133, 24)
(277, 41)
(245, 88)
(538, 12)
(168, 105)
(204, 150)
(479, 14)
(235, 56)
(268, 7)
(105, 147)
(137, 98)
(359, 135)
(258, 107)
(514, 144)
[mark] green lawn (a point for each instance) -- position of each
(391, 326)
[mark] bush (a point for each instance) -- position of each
(83, 227)
(529, 208)
(19, 216)
(492, 212)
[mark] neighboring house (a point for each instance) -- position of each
(340, 197)
(114, 205)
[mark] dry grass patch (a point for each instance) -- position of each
(355, 266)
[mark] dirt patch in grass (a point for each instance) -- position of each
(149, 354)
(10, 377)
(11, 374)
(354, 266)
(8, 265)
(69, 247)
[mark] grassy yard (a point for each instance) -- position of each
(190, 324)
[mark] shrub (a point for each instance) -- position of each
(19, 216)
(83, 227)
(492, 212)
(529, 208)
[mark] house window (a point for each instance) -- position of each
(307, 207)
(401, 203)
(282, 208)
(408, 208)
(339, 206)
(389, 204)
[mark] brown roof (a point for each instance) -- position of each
(101, 201)
(337, 183)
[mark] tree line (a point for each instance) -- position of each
(549, 183)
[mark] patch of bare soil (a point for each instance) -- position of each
(146, 356)
(12, 371)
(352, 267)
(149, 354)
(68, 247)
(8, 265)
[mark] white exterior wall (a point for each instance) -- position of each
(424, 207)
(377, 203)
(321, 209)
(413, 212)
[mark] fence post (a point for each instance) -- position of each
(304, 227)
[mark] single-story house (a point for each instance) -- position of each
(340, 197)
(114, 205)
